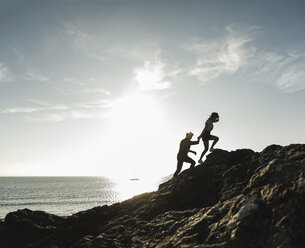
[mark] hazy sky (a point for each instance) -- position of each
(111, 87)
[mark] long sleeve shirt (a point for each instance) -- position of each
(185, 146)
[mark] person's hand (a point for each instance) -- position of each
(198, 138)
(195, 153)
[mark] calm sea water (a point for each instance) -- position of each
(66, 195)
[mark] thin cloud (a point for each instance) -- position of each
(34, 76)
(96, 90)
(145, 49)
(285, 69)
(61, 91)
(18, 53)
(97, 104)
(73, 115)
(152, 76)
(84, 43)
(38, 102)
(76, 81)
(19, 110)
(74, 86)
(61, 112)
(99, 46)
(4, 74)
(224, 56)
(70, 115)
(292, 79)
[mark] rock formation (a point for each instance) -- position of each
(235, 199)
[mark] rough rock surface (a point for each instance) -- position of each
(235, 199)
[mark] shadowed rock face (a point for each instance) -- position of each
(235, 199)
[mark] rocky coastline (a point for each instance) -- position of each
(235, 199)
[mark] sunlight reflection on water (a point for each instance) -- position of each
(128, 188)
(67, 195)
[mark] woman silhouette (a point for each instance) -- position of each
(206, 135)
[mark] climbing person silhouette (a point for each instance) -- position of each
(206, 135)
(182, 156)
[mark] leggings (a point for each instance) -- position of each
(186, 159)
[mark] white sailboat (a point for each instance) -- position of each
(134, 178)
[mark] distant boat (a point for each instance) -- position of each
(133, 176)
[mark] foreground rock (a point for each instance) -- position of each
(235, 199)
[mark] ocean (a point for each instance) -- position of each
(66, 195)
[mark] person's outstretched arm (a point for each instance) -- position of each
(193, 152)
(195, 142)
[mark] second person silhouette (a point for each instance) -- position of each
(206, 135)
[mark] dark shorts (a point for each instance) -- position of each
(206, 136)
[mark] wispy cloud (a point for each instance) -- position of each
(86, 110)
(18, 53)
(96, 90)
(285, 69)
(69, 115)
(61, 112)
(34, 76)
(146, 49)
(38, 102)
(152, 76)
(292, 79)
(17, 110)
(225, 55)
(85, 43)
(104, 47)
(4, 74)
(75, 86)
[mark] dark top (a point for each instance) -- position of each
(185, 146)
(206, 132)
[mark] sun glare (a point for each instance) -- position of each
(134, 112)
(127, 189)
(151, 77)
(134, 131)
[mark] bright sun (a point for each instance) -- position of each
(136, 125)
(134, 114)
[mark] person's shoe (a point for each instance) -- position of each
(212, 149)
(200, 161)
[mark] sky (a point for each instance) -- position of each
(109, 88)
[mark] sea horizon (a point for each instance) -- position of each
(66, 195)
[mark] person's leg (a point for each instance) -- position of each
(206, 148)
(191, 161)
(215, 140)
(179, 167)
